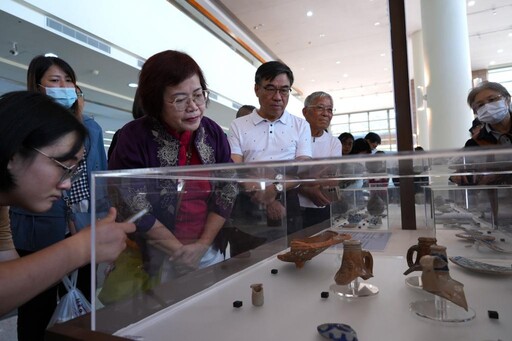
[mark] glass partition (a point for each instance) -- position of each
(149, 278)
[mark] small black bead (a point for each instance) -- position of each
(324, 294)
(502, 239)
(488, 232)
(493, 314)
(273, 271)
(237, 304)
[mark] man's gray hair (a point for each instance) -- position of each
(311, 98)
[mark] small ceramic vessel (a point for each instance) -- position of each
(257, 294)
(419, 250)
(355, 263)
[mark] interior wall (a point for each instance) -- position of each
(151, 26)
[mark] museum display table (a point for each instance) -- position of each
(293, 305)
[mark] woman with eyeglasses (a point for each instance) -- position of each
(179, 232)
(41, 145)
(33, 231)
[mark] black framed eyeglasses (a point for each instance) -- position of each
(70, 172)
(272, 90)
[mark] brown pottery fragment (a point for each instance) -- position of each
(304, 249)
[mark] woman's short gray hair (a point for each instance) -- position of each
(485, 85)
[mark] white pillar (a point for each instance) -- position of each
(447, 71)
(422, 120)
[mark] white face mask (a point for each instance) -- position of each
(493, 112)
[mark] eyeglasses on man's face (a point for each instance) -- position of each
(489, 99)
(70, 172)
(272, 90)
(181, 102)
(321, 109)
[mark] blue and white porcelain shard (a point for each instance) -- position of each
(355, 217)
(337, 331)
(481, 267)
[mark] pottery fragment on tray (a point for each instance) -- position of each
(480, 267)
(474, 237)
(355, 217)
(337, 331)
(485, 240)
(302, 250)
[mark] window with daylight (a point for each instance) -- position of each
(359, 124)
(502, 76)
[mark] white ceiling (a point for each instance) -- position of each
(107, 86)
(341, 50)
(339, 30)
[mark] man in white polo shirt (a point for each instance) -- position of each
(272, 134)
(315, 199)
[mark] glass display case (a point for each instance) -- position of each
(232, 220)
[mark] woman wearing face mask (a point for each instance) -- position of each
(490, 102)
(32, 232)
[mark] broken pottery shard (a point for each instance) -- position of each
(337, 331)
(436, 277)
(302, 250)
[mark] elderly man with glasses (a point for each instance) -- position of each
(315, 199)
(270, 133)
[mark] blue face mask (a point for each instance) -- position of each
(64, 96)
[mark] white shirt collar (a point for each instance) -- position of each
(256, 118)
